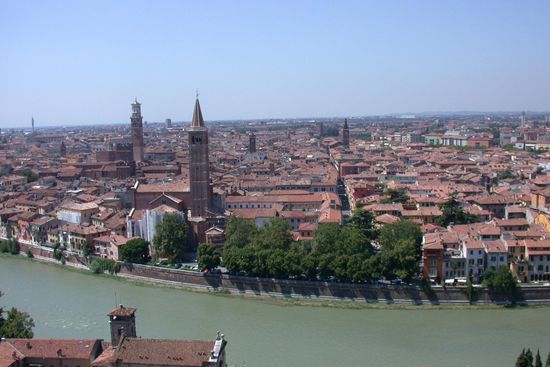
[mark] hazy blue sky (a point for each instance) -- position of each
(84, 61)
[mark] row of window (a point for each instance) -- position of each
(248, 206)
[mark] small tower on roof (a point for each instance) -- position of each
(123, 324)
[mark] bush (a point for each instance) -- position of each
(426, 286)
(471, 292)
(100, 266)
(10, 246)
(135, 251)
(502, 283)
(209, 257)
(57, 252)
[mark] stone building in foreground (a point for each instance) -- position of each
(124, 350)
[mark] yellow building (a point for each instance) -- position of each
(543, 220)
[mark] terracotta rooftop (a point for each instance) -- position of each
(54, 348)
(122, 311)
(162, 352)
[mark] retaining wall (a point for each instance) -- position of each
(307, 289)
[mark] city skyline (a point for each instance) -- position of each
(82, 63)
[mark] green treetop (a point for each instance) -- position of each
(170, 240)
(453, 213)
(395, 196)
(135, 251)
(16, 324)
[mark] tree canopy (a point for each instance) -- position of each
(395, 196)
(364, 221)
(501, 282)
(209, 257)
(15, 324)
(170, 240)
(453, 213)
(135, 251)
(336, 252)
(400, 249)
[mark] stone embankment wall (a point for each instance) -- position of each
(305, 289)
(327, 290)
(45, 253)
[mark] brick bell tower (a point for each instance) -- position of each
(345, 134)
(137, 132)
(199, 167)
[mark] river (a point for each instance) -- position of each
(70, 304)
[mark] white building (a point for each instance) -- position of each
(143, 223)
(77, 213)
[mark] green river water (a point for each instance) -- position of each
(69, 304)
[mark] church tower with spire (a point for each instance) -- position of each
(345, 134)
(137, 132)
(199, 170)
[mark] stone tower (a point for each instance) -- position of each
(345, 134)
(137, 132)
(62, 149)
(32, 123)
(199, 170)
(252, 143)
(123, 324)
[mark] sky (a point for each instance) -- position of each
(83, 62)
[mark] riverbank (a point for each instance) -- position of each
(73, 304)
(266, 290)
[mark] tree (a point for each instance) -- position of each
(403, 229)
(538, 360)
(528, 358)
(209, 257)
(364, 221)
(325, 237)
(488, 276)
(29, 175)
(547, 364)
(503, 283)
(520, 362)
(525, 359)
(10, 245)
(57, 252)
(274, 234)
(507, 173)
(135, 251)
(170, 240)
(453, 213)
(400, 249)
(16, 324)
(86, 249)
(239, 231)
(395, 196)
